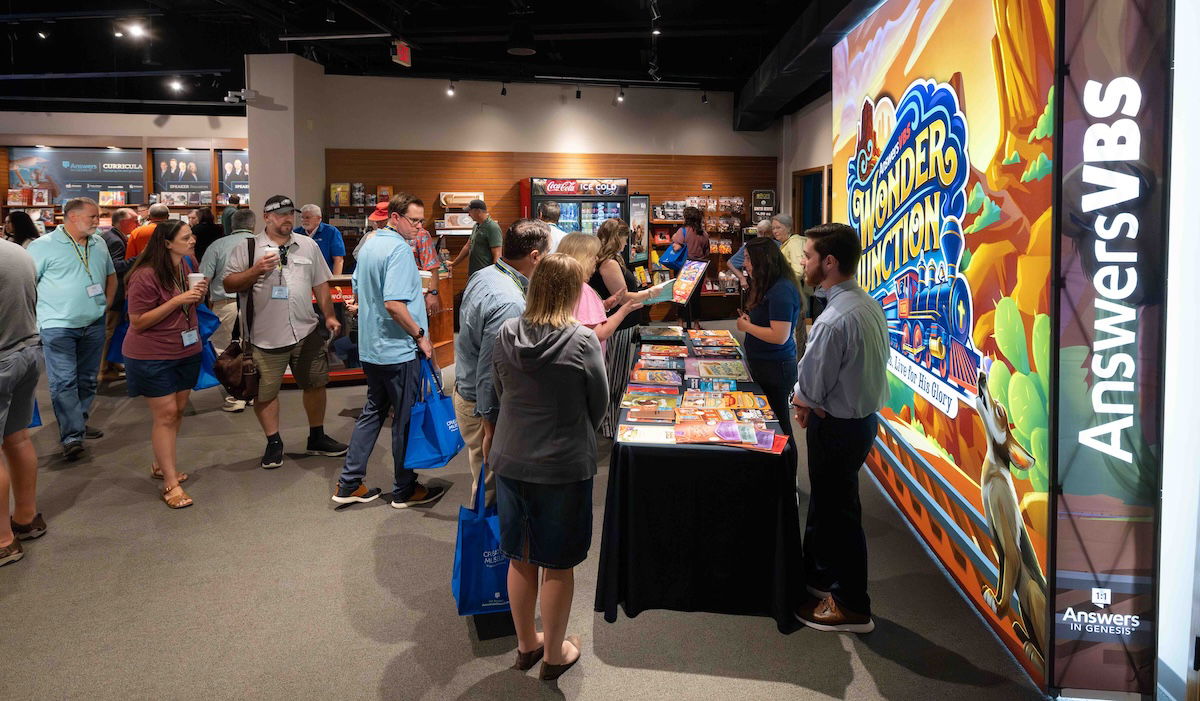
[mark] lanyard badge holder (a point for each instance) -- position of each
(191, 336)
(95, 290)
(280, 291)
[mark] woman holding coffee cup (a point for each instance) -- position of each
(162, 347)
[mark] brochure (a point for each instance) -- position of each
(669, 351)
(655, 390)
(714, 385)
(659, 435)
(689, 279)
(650, 402)
(714, 369)
(686, 414)
(720, 432)
(662, 292)
(647, 363)
(652, 416)
(716, 352)
(701, 334)
(661, 334)
(656, 377)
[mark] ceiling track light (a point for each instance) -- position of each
(41, 35)
(578, 94)
(704, 98)
(175, 84)
(621, 95)
(136, 31)
(503, 90)
(330, 17)
(450, 89)
(655, 30)
(655, 15)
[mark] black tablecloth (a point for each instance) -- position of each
(701, 528)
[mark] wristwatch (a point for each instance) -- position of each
(421, 334)
(432, 292)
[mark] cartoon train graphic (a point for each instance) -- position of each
(928, 311)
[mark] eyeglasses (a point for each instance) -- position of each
(415, 221)
(283, 255)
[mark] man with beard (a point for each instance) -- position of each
(76, 282)
(842, 382)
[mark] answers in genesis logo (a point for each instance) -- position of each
(1101, 597)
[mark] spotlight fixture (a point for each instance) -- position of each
(450, 89)
(41, 35)
(136, 31)
(503, 90)
(654, 13)
(112, 148)
(704, 98)
(578, 94)
(654, 29)
(118, 34)
(520, 40)
(621, 95)
(39, 146)
(330, 17)
(175, 85)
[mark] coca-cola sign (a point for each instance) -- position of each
(574, 187)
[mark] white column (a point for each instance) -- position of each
(284, 128)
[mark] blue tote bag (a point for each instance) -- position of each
(480, 579)
(433, 435)
(673, 259)
(208, 323)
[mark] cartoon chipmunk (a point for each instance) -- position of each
(1019, 568)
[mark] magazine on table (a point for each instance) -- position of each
(702, 334)
(661, 334)
(690, 277)
(708, 369)
(655, 390)
(656, 377)
(650, 416)
(713, 385)
(720, 432)
(658, 435)
(662, 292)
(650, 402)
(664, 350)
(651, 363)
(695, 399)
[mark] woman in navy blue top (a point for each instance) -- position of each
(771, 314)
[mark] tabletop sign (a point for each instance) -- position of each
(762, 203)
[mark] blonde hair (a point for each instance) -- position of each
(584, 248)
(554, 291)
(613, 234)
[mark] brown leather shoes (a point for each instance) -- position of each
(827, 615)
(11, 553)
(28, 531)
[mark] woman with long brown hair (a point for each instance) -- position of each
(693, 236)
(549, 377)
(162, 347)
(769, 320)
(616, 286)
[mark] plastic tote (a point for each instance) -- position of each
(480, 579)
(433, 435)
(673, 258)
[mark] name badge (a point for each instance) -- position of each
(190, 337)
(95, 290)
(279, 292)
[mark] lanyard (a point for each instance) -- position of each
(84, 255)
(511, 276)
(183, 288)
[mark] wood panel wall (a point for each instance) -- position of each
(498, 175)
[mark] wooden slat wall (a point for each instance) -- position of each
(499, 174)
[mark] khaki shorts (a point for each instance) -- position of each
(308, 359)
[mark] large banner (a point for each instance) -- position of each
(235, 175)
(943, 147)
(80, 172)
(182, 170)
(1113, 237)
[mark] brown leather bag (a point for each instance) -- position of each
(236, 368)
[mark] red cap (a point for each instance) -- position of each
(380, 213)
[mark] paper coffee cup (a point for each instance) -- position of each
(194, 279)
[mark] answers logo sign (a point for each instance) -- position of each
(1101, 597)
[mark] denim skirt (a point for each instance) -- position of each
(548, 525)
(159, 378)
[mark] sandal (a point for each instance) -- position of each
(157, 474)
(176, 498)
(550, 672)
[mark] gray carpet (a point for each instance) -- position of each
(264, 590)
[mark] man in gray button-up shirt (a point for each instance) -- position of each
(494, 294)
(842, 382)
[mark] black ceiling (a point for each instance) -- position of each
(705, 44)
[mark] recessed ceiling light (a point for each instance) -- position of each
(175, 85)
(330, 16)
(183, 148)
(137, 31)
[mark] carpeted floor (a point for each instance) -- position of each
(263, 590)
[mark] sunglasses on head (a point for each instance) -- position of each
(283, 255)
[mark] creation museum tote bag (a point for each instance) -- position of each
(480, 578)
(433, 435)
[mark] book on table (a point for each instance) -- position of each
(708, 369)
(656, 377)
(719, 432)
(664, 350)
(650, 402)
(652, 363)
(656, 435)
(661, 334)
(651, 416)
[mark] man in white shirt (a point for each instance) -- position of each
(549, 212)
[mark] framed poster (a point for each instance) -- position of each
(78, 172)
(235, 174)
(639, 229)
(181, 170)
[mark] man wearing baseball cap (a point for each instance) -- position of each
(486, 239)
(377, 220)
(286, 273)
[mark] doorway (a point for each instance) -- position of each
(809, 197)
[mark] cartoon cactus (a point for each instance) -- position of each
(1010, 334)
(1024, 392)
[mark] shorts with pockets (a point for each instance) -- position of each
(19, 372)
(308, 359)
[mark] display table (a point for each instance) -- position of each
(701, 528)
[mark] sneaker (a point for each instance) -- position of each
(324, 445)
(73, 450)
(11, 553)
(419, 495)
(349, 494)
(828, 616)
(272, 457)
(92, 433)
(34, 529)
(234, 406)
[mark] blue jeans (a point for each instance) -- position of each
(389, 388)
(72, 363)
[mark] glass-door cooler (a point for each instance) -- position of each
(584, 203)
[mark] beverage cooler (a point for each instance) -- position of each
(585, 202)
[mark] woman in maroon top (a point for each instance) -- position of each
(692, 235)
(162, 347)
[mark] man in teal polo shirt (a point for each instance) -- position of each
(76, 282)
(392, 338)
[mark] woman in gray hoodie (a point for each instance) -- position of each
(553, 392)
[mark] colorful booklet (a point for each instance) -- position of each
(714, 385)
(650, 416)
(716, 352)
(656, 377)
(668, 351)
(659, 435)
(715, 341)
(650, 402)
(689, 281)
(662, 292)
(720, 432)
(661, 334)
(716, 369)
(656, 390)
(695, 399)
(650, 363)
(686, 414)
(701, 335)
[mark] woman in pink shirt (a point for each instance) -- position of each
(590, 312)
(162, 347)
